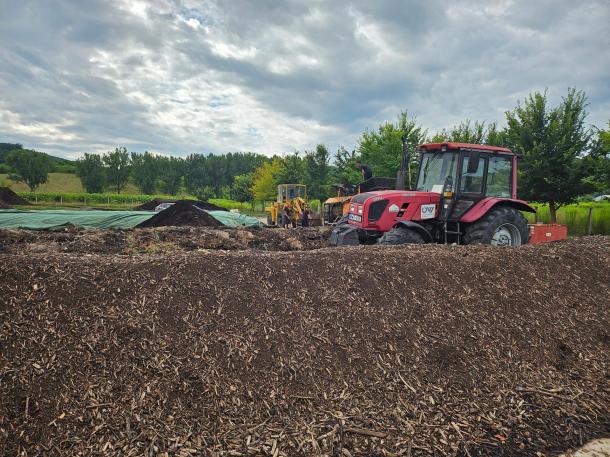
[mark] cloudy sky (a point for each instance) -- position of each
(273, 76)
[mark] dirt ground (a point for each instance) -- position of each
(361, 351)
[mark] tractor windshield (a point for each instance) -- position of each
(435, 170)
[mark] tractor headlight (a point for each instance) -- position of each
(360, 209)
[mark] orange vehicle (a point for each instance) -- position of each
(334, 208)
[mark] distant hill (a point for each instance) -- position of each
(59, 164)
(6, 148)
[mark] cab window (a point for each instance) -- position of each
(499, 175)
(472, 183)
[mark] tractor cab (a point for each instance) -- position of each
(288, 192)
(464, 193)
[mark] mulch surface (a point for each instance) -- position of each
(361, 351)
(162, 240)
(9, 198)
(151, 205)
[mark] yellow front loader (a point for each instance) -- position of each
(291, 196)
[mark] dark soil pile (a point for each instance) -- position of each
(181, 213)
(407, 350)
(151, 205)
(8, 197)
(163, 240)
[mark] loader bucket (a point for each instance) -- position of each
(345, 235)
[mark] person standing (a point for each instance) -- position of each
(285, 217)
(305, 217)
(366, 171)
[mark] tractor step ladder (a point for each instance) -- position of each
(457, 232)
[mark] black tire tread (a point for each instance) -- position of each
(480, 232)
(400, 235)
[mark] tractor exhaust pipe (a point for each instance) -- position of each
(405, 163)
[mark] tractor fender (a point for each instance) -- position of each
(481, 208)
(423, 231)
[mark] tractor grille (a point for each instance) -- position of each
(376, 209)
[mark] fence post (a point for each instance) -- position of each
(36, 199)
(590, 224)
(61, 200)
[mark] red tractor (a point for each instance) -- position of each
(465, 194)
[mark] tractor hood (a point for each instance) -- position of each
(381, 209)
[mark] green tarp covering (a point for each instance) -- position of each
(234, 219)
(55, 219)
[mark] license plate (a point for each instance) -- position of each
(354, 217)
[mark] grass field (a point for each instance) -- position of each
(576, 217)
(57, 182)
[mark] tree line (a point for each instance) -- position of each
(562, 158)
(197, 174)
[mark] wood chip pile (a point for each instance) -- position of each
(385, 351)
(163, 240)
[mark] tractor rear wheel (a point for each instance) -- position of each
(400, 235)
(501, 226)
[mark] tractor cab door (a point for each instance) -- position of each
(470, 186)
(282, 193)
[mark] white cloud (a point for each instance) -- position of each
(190, 76)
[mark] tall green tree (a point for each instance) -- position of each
(495, 136)
(145, 171)
(466, 132)
(344, 168)
(90, 170)
(381, 149)
(30, 167)
(474, 133)
(600, 160)
(117, 165)
(552, 141)
(217, 171)
(317, 170)
(292, 170)
(170, 174)
(265, 180)
(241, 190)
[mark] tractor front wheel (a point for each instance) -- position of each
(400, 235)
(501, 226)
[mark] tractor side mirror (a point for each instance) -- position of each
(473, 162)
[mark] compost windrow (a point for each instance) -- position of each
(10, 198)
(152, 204)
(369, 350)
(182, 213)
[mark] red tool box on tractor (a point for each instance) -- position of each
(465, 194)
